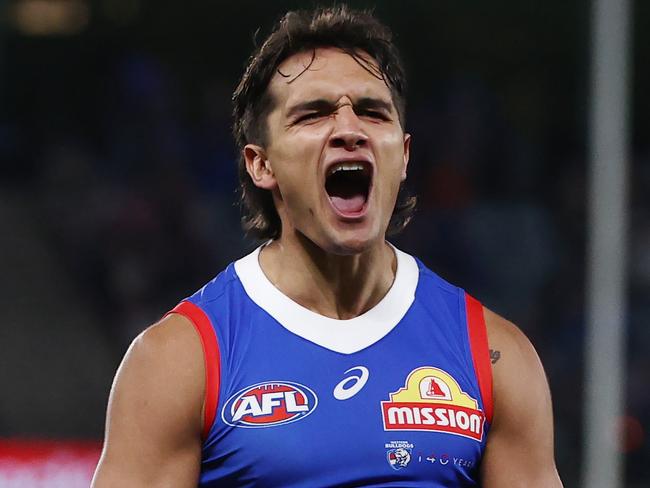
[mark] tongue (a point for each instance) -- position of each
(349, 203)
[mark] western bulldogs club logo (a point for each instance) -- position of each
(268, 404)
(398, 454)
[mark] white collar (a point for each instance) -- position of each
(343, 336)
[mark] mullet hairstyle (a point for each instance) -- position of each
(357, 33)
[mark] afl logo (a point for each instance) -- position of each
(268, 404)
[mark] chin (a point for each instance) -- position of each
(350, 242)
(336, 237)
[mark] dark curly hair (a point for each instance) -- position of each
(354, 32)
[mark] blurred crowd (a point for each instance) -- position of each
(136, 191)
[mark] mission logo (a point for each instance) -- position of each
(431, 400)
(268, 404)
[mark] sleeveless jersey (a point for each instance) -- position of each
(398, 396)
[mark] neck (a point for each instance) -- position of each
(336, 286)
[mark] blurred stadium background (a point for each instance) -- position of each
(117, 193)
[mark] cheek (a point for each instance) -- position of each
(296, 165)
(393, 161)
(391, 169)
(297, 185)
(390, 142)
(299, 151)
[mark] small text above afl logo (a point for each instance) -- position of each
(268, 404)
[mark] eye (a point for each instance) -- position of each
(309, 116)
(375, 114)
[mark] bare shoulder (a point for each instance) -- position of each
(162, 374)
(172, 346)
(517, 372)
(154, 418)
(509, 345)
(520, 443)
(163, 361)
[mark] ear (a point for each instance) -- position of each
(259, 167)
(407, 154)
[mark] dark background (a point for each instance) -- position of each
(117, 190)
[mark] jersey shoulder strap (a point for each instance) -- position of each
(478, 341)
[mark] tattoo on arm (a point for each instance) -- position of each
(494, 355)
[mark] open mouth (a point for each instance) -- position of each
(348, 185)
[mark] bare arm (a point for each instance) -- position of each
(154, 419)
(519, 451)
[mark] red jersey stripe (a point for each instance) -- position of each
(211, 356)
(478, 342)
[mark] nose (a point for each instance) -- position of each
(347, 132)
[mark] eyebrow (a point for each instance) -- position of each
(324, 105)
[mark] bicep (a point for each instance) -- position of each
(519, 451)
(153, 422)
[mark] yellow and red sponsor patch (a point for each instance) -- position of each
(432, 400)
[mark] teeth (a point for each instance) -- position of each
(344, 167)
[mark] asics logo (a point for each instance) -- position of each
(353, 384)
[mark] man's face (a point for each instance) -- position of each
(336, 151)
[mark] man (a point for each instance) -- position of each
(327, 357)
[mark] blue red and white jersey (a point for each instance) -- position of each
(398, 396)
